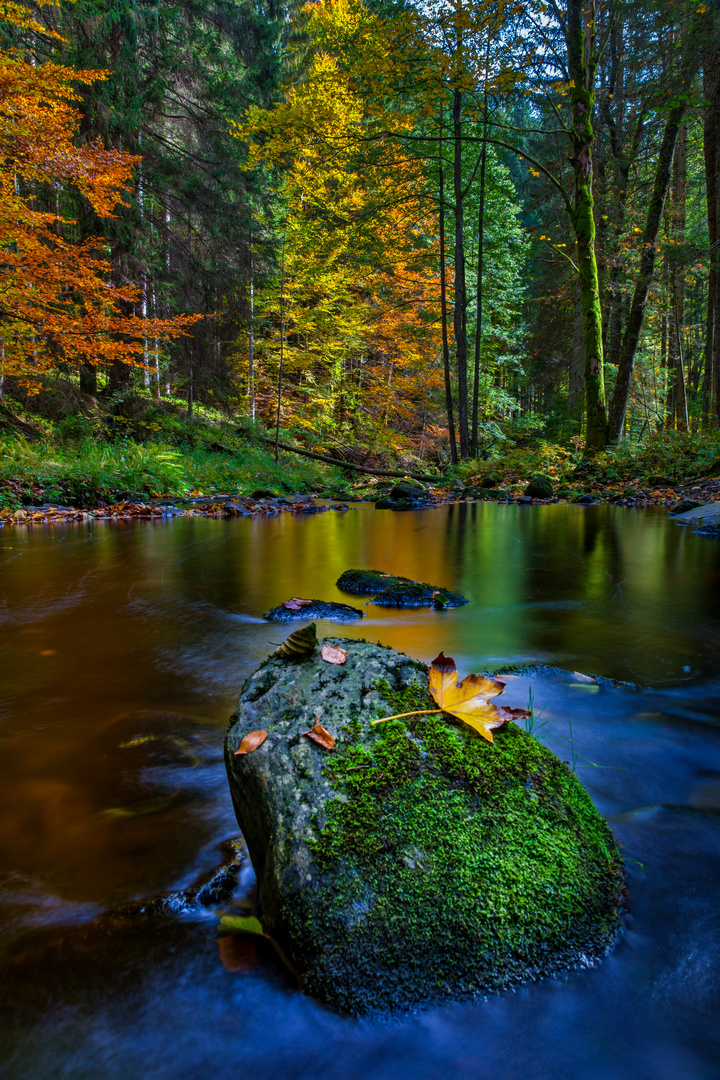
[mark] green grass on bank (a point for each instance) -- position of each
(87, 472)
(62, 446)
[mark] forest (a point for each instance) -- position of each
(416, 236)
(359, 539)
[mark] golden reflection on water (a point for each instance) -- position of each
(124, 645)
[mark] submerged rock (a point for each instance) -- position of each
(316, 609)
(414, 861)
(392, 591)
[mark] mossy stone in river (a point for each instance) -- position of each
(391, 591)
(417, 594)
(316, 609)
(414, 862)
(366, 582)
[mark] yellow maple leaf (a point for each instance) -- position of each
(468, 700)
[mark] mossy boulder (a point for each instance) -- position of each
(366, 582)
(414, 862)
(391, 591)
(540, 487)
(404, 496)
(408, 490)
(417, 594)
(683, 506)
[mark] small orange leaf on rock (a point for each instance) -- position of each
(296, 604)
(332, 654)
(319, 735)
(252, 740)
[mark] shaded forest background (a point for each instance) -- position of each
(430, 231)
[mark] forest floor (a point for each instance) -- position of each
(63, 455)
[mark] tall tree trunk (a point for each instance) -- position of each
(88, 379)
(282, 342)
(480, 268)
(443, 310)
(576, 372)
(251, 333)
(582, 62)
(653, 219)
(666, 362)
(677, 279)
(119, 375)
(459, 325)
(711, 144)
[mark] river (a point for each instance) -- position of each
(123, 647)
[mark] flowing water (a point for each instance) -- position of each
(122, 649)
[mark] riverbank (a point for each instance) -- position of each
(61, 454)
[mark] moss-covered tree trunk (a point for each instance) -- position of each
(443, 308)
(711, 149)
(634, 323)
(459, 322)
(677, 280)
(582, 62)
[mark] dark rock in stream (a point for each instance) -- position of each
(316, 609)
(235, 509)
(405, 496)
(683, 506)
(418, 594)
(367, 582)
(414, 862)
(391, 591)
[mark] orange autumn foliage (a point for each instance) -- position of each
(58, 304)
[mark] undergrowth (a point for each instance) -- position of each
(86, 472)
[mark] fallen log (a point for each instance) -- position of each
(349, 465)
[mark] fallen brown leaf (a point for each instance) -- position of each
(296, 604)
(299, 644)
(237, 954)
(319, 735)
(252, 740)
(333, 654)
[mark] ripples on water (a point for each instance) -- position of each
(123, 647)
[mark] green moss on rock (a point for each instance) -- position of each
(366, 582)
(416, 862)
(393, 591)
(540, 487)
